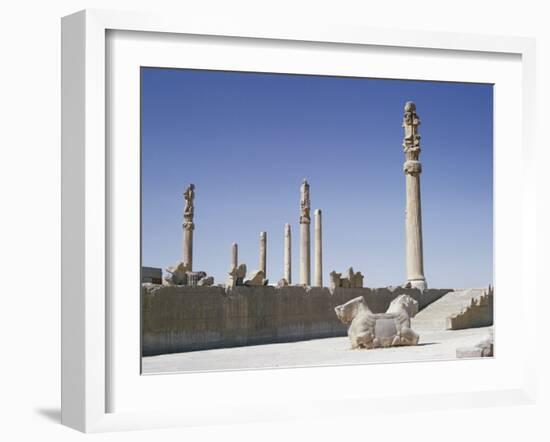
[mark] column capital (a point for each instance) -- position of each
(412, 167)
(305, 203)
(411, 141)
(189, 210)
(189, 225)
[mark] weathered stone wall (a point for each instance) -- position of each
(478, 314)
(177, 319)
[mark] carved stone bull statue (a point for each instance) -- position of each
(409, 304)
(374, 330)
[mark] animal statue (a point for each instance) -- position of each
(404, 302)
(374, 330)
(178, 274)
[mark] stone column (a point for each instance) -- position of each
(413, 214)
(318, 249)
(305, 246)
(234, 256)
(188, 226)
(263, 252)
(288, 255)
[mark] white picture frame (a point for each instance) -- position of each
(87, 355)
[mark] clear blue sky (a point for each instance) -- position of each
(247, 140)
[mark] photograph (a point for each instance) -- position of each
(293, 220)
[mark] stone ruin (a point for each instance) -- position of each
(353, 280)
(257, 278)
(479, 313)
(205, 281)
(282, 283)
(374, 330)
(236, 276)
(483, 349)
(415, 266)
(180, 275)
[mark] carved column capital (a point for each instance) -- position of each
(189, 210)
(305, 204)
(188, 225)
(412, 167)
(411, 141)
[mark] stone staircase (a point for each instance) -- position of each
(435, 315)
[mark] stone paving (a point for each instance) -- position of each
(433, 345)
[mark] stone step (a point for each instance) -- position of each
(434, 316)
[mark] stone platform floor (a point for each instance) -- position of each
(433, 345)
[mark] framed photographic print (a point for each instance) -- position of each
(258, 211)
(256, 134)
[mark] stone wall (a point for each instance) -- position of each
(177, 319)
(478, 314)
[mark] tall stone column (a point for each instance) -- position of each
(234, 256)
(263, 253)
(413, 215)
(318, 249)
(305, 246)
(188, 226)
(288, 255)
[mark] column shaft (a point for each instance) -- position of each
(318, 249)
(288, 255)
(188, 249)
(415, 264)
(305, 259)
(263, 253)
(234, 255)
